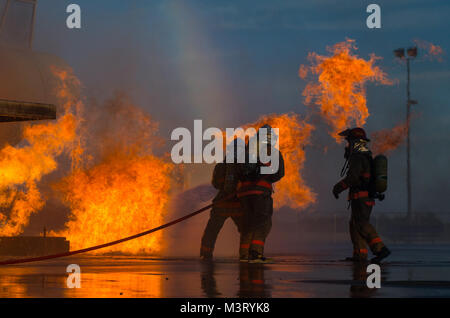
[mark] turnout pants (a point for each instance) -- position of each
(216, 221)
(257, 223)
(362, 233)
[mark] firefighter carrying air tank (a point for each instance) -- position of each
(366, 178)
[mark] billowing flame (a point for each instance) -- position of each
(123, 189)
(124, 195)
(339, 91)
(21, 167)
(116, 187)
(432, 51)
(291, 190)
(387, 140)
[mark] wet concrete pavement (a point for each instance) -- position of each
(412, 271)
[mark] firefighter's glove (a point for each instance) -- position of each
(336, 190)
(336, 195)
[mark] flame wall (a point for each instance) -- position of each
(338, 85)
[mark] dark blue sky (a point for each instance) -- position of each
(228, 62)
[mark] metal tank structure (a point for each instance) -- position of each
(25, 84)
(24, 76)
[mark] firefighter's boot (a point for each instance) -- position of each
(379, 256)
(359, 256)
(257, 258)
(206, 254)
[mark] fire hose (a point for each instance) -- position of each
(97, 247)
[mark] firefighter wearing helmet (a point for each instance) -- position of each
(255, 193)
(358, 170)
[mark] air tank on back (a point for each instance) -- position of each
(380, 165)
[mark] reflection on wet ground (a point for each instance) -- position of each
(411, 272)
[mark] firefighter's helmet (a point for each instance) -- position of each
(354, 134)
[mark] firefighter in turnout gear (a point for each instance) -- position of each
(358, 180)
(225, 181)
(255, 193)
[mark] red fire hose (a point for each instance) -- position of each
(84, 250)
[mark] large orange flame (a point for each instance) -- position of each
(294, 132)
(123, 189)
(116, 186)
(124, 195)
(339, 90)
(21, 167)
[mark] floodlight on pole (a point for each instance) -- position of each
(412, 51)
(400, 53)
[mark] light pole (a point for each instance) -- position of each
(411, 53)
